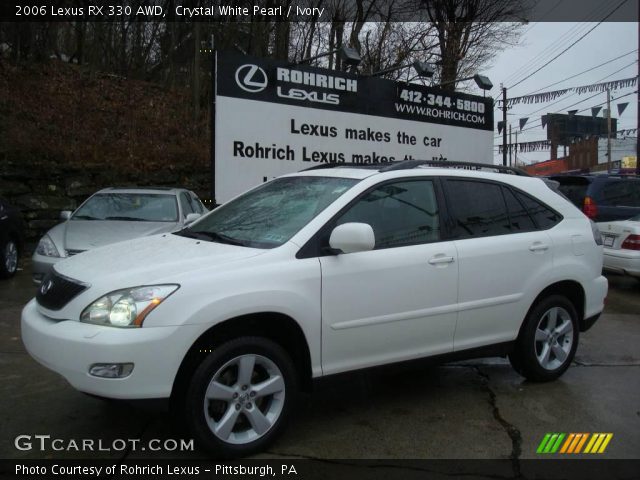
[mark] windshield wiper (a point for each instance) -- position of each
(84, 217)
(130, 219)
(211, 236)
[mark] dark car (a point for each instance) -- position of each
(11, 238)
(602, 198)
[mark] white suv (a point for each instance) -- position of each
(316, 273)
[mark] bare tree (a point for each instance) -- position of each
(470, 32)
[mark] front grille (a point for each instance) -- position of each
(71, 253)
(56, 291)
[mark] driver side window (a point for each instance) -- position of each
(400, 213)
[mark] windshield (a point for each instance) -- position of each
(138, 207)
(271, 214)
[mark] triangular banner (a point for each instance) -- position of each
(572, 112)
(523, 122)
(621, 107)
(500, 127)
(595, 111)
(543, 120)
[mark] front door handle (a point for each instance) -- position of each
(539, 247)
(440, 259)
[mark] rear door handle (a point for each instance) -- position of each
(440, 259)
(539, 247)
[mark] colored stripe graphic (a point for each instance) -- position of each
(573, 443)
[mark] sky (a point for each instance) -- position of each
(542, 41)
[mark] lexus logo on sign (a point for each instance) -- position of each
(251, 78)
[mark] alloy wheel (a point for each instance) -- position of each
(244, 399)
(554, 338)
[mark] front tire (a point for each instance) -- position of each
(8, 258)
(548, 341)
(241, 397)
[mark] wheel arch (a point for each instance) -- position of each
(278, 327)
(571, 289)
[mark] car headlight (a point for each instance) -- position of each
(127, 307)
(47, 248)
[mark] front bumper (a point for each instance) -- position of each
(70, 347)
(626, 262)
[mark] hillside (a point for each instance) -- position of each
(66, 131)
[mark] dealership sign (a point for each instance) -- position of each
(273, 118)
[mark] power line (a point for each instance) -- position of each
(566, 37)
(572, 94)
(570, 46)
(582, 73)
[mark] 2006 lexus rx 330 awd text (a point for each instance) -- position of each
(316, 273)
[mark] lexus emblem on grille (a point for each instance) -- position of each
(46, 286)
(251, 78)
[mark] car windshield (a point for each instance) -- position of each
(271, 214)
(132, 207)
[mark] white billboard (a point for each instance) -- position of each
(272, 119)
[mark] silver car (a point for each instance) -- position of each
(113, 215)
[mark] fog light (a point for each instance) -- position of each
(111, 370)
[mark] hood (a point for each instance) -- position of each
(148, 260)
(88, 234)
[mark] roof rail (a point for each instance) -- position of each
(323, 166)
(409, 164)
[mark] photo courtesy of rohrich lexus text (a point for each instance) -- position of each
(364, 239)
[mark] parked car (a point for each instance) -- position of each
(317, 273)
(622, 246)
(114, 215)
(11, 239)
(603, 197)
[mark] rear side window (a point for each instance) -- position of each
(478, 209)
(520, 219)
(623, 193)
(542, 215)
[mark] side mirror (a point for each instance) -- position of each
(191, 217)
(352, 237)
(65, 215)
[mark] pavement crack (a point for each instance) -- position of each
(578, 363)
(129, 448)
(510, 429)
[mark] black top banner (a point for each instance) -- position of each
(274, 81)
(522, 11)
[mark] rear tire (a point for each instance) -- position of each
(8, 258)
(548, 340)
(241, 397)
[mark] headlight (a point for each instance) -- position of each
(127, 307)
(46, 247)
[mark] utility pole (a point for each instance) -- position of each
(504, 126)
(608, 130)
(638, 106)
(515, 153)
(510, 147)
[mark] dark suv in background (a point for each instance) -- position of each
(604, 197)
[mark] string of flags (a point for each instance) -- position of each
(543, 97)
(539, 145)
(594, 113)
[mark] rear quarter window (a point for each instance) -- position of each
(543, 216)
(623, 193)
